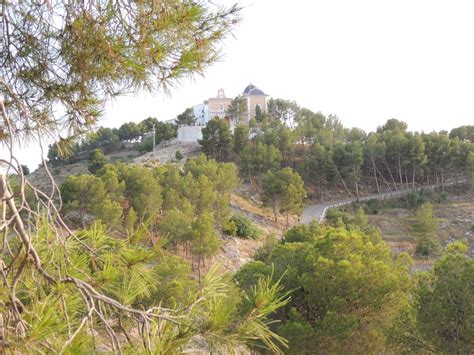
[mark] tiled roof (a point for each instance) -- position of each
(252, 90)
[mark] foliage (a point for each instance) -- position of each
(426, 223)
(175, 40)
(360, 218)
(141, 277)
(186, 118)
(470, 168)
(237, 110)
(244, 228)
(283, 191)
(217, 140)
(444, 303)
(415, 199)
(426, 247)
(96, 160)
(179, 156)
(25, 170)
(346, 289)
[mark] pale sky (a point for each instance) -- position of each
(365, 61)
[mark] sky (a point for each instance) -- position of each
(365, 61)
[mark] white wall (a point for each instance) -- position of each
(189, 133)
(201, 113)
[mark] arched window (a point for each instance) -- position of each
(221, 107)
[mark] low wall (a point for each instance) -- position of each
(188, 134)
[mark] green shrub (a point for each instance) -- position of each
(427, 247)
(145, 146)
(442, 197)
(373, 207)
(415, 199)
(244, 227)
(335, 215)
(179, 156)
(230, 228)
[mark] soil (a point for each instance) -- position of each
(456, 223)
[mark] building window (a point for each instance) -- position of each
(221, 107)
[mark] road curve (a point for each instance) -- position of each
(318, 211)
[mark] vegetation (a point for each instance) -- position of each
(283, 191)
(86, 292)
(425, 227)
(438, 318)
(346, 289)
(328, 156)
(186, 118)
(94, 265)
(242, 227)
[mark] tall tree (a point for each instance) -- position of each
(241, 138)
(284, 191)
(238, 110)
(283, 110)
(217, 140)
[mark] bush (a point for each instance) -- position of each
(335, 215)
(230, 228)
(373, 207)
(145, 146)
(427, 247)
(244, 227)
(415, 199)
(179, 156)
(442, 197)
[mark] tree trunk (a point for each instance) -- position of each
(442, 179)
(400, 171)
(342, 180)
(414, 174)
(375, 173)
(406, 178)
(390, 172)
(354, 172)
(385, 180)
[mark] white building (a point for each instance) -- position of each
(201, 114)
(217, 107)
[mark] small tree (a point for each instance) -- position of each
(130, 220)
(179, 156)
(360, 218)
(97, 160)
(82, 192)
(205, 242)
(283, 191)
(426, 227)
(426, 223)
(108, 212)
(186, 118)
